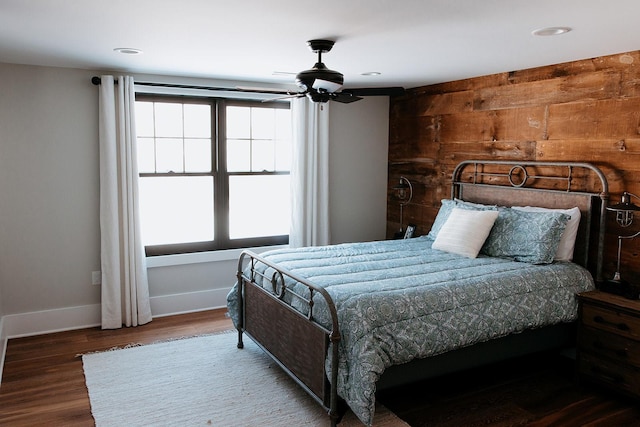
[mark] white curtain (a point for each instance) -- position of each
(125, 290)
(310, 174)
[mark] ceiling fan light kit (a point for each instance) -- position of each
(321, 84)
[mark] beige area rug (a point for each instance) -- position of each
(202, 381)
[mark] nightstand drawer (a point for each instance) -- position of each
(610, 320)
(605, 344)
(621, 377)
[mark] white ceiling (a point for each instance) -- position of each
(411, 42)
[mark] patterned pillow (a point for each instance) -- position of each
(445, 210)
(568, 239)
(465, 231)
(531, 237)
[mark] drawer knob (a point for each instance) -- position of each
(607, 375)
(620, 352)
(601, 320)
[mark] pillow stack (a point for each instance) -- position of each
(527, 234)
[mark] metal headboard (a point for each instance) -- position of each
(545, 184)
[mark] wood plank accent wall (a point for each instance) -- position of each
(585, 110)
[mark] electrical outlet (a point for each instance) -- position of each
(96, 277)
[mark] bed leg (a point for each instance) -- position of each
(335, 419)
(240, 343)
(339, 413)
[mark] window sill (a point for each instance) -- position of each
(203, 257)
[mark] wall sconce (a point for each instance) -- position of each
(624, 217)
(404, 193)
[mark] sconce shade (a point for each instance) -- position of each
(403, 185)
(625, 205)
(625, 209)
(404, 190)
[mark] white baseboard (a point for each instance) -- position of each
(3, 346)
(168, 305)
(49, 321)
(88, 316)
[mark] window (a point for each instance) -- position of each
(214, 174)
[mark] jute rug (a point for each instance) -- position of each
(202, 381)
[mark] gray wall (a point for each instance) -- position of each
(49, 180)
(359, 145)
(49, 227)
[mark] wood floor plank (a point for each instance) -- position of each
(533, 391)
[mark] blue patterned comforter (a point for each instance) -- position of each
(399, 300)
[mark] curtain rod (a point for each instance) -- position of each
(96, 81)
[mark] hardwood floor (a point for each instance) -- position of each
(43, 380)
(534, 391)
(43, 384)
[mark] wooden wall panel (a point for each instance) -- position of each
(597, 85)
(451, 102)
(619, 117)
(579, 111)
(505, 125)
(615, 152)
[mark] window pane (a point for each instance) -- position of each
(238, 122)
(238, 156)
(146, 155)
(169, 155)
(283, 140)
(283, 155)
(283, 124)
(263, 125)
(144, 118)
(197, 155)
(168, 119)
(197, 121)
(176, 209)
(262, 156)
(270, 194)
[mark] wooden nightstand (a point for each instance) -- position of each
(609, 341)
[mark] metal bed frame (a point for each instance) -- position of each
(300, 345)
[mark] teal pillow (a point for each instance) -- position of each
(531, 237)
(446, 208)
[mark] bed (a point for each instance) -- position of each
(346, 320)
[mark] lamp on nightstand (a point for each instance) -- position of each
(404, 193)
(624, 217)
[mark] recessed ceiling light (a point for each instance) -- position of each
(550, 31)
(371, 73)
(128, 50)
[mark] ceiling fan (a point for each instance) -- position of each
(320, 84)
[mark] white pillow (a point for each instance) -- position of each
(465, 231)
(568, 239)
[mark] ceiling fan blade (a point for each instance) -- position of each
(345, 98)
(376, 91)
(256, 89)
(289, 96)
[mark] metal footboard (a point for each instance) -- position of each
(293, 338)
